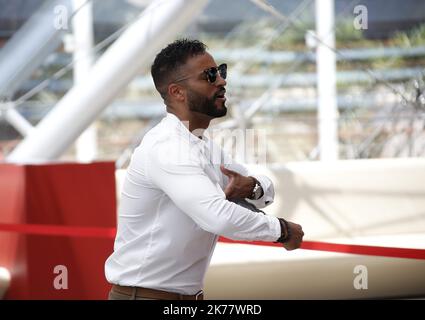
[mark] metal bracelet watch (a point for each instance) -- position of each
(258, 191)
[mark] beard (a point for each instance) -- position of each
(205, 105)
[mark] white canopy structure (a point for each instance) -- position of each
(134, 50)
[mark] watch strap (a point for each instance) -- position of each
(285, 231)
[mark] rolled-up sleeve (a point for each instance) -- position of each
(266, 183)
(185, 182)
(268, 188)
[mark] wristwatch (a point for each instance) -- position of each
(257, 192)
(285, 232)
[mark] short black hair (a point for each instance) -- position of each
(171, 58)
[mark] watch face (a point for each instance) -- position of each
(257, 192)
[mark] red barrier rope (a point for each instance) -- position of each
(102, 232)
(55, 230)
(347, 248)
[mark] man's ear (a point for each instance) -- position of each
(176, 92)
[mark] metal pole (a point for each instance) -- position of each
(326, 81)
(131, 53)
(82, 24)
(18, 121)
(30, 45)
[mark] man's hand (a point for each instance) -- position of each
(296, 238)
(239, 187)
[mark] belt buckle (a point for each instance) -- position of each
(201, 292)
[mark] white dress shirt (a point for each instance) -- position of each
(173, 208)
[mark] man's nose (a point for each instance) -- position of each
(220, 82)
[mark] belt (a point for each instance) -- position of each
(155, 294)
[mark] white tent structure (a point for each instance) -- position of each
(159, 23)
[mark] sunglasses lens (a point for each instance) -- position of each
(222, 69)
(212, 75)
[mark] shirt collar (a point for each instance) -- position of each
(181, 127)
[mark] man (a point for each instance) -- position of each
(174, 202)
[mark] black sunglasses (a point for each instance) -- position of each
(211, 73)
